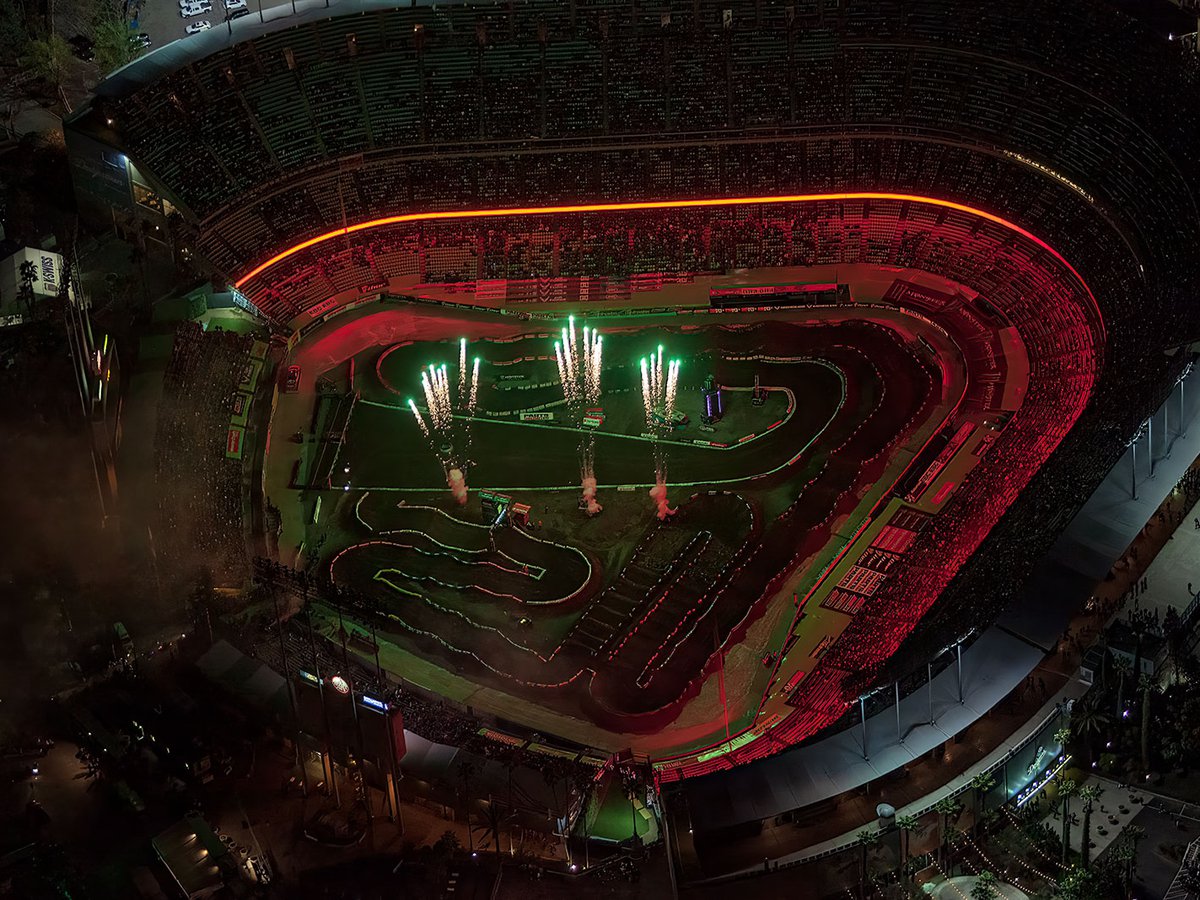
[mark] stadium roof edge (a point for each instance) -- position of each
(173, 56)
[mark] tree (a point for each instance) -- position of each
(13, 36)
(1141, 622)
(466, 771)
(1146, 686)
(1088, 722)
(945, 808)
(48, 60)
(441, 854)
(980, 785)
(907, 825)
(29, 275)
(1089, 795)
(114, 45)
(493, 819)
(1124, 669)
(866, 841)
(1124, 854)
(1067, 788)
(1079, 884)
(1177, 635)
(985, 887)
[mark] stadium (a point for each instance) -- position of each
(917, 273)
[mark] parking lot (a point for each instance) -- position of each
(161, 19)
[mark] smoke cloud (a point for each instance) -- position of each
(589, 495)
(458, 485)
(658, 494)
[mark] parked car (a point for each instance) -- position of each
(195, 9)
(142, 40)
(236, 14)
(234, 5)
(197, 27)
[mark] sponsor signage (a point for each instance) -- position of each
(339, 684)
(592, 422)
(512, 377)
(373, 703)
(322, 307)
(769, 289)
(233, 442)
(537, 417)
(49, 273)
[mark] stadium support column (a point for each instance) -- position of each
(862, 709)
(1182, 427)
(899, 732)
(1133, 479)
(958, 655)
(929, 687)
(1150, 442)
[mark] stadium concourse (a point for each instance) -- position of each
(992, 184)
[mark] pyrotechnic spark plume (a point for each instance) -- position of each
(420, 419)
(659, 391)
(462, 369)
(442, 404)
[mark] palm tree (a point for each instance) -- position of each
(1088, 722)
(951, 837)
(867, 839)
(980, 785)
(1141, 621)
(1124, 669)
(29, 275)
(945, 808)
(1127, 853)
(1146, 686)
(1089, 795)
(907, 825)
(1176, 634)
(493, 819)
(466, 771)
(1067, 788)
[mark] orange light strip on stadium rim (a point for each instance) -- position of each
(654, 204)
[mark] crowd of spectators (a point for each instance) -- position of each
(971, 115)
(200, 488)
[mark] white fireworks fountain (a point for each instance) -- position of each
(659, 389)
(448, 427)
(580, 362)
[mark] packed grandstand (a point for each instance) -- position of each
(363, 150)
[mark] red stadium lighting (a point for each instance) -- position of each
(655, 204)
